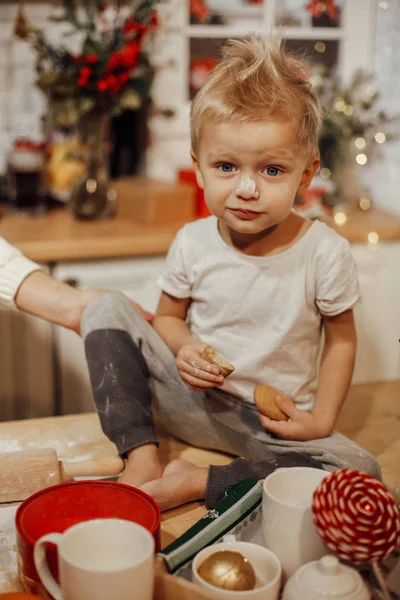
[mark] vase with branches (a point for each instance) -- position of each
(107, 71)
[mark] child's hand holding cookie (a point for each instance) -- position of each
(284, 419)
(199, 368)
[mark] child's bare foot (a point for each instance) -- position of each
(143, 465)
(181, 482)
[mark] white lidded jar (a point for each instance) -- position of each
(326, 578)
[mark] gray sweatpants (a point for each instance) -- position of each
(133, 375)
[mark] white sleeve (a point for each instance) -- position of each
(174, 280)
(337, 287)
(14, 268)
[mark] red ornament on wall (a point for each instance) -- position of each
(318, 8)
(199, 10)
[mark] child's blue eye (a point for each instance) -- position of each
(272, 171)
(226, 167)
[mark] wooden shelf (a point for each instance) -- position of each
(222, 31)
(289, 33)
(312, 33)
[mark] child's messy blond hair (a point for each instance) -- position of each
(257, 79)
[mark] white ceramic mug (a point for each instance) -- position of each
(99, 559)
(265, 564)
(288, 528)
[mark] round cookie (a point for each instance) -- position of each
(211, 356)
(264, 398)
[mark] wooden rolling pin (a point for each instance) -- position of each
(23, 473)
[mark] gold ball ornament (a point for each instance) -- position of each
(228, 570)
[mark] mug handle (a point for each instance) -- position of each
(42, 567)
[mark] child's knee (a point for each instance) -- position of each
(109, 310)
(102, 304)
(367, 463)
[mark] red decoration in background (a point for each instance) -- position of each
(199, 10)
(356, 516)
(90, 59)
(189, 176)
(200, 69)
(318, 8)
(120, 64)
(139, 29)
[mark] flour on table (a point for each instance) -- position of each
(10, 446)
(8, 555)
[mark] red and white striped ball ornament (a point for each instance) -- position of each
(356, 516)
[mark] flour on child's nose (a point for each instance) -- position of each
(247, 186)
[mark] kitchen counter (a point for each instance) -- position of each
(148, 215)
(56, 236)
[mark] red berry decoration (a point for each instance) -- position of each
(356, 516)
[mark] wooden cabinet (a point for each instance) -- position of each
(377, 316)
(26, 366)
(137, 278)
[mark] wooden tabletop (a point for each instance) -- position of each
(360, 224)
(370, 418)
(149, 213)
(79, 437)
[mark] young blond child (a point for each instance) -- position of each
(257, 282)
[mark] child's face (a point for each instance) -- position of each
(251, 173)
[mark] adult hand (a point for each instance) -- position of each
(195, 371)
(87, 296)
(41, 295)
(302, 425)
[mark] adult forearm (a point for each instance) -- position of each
(336, 370)
(45, 297)
(174, 332)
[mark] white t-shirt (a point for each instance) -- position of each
(14, 268)
(262, 314)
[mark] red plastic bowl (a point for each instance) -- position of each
(58, 507)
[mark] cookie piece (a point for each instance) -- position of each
(211, 356)
(264, 398)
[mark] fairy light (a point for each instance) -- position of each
(325, 173)
(360, 143)
(383, 5)
(361, 159)
(320, 47)
(373, 239)
(348, 110)
(112, 194)
(315, 80)
(364, 203)
(340, 218)
(380, 137)
(340, 104)
(91, 186)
